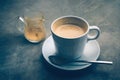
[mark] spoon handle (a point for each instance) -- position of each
(96, 62)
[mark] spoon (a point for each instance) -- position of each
(60, 61)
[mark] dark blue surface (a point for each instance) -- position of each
(21, 60)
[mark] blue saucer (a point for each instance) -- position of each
(91, 52)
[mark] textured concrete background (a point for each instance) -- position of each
(21, 60)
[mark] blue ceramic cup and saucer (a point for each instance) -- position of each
(70, 47)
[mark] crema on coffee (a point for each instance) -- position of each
(69, 31)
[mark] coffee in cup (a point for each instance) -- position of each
(69, 31)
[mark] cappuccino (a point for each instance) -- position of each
(69, 31)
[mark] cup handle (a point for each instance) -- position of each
(20, 23)
(95, 36)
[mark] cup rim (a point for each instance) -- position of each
(74, 17)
